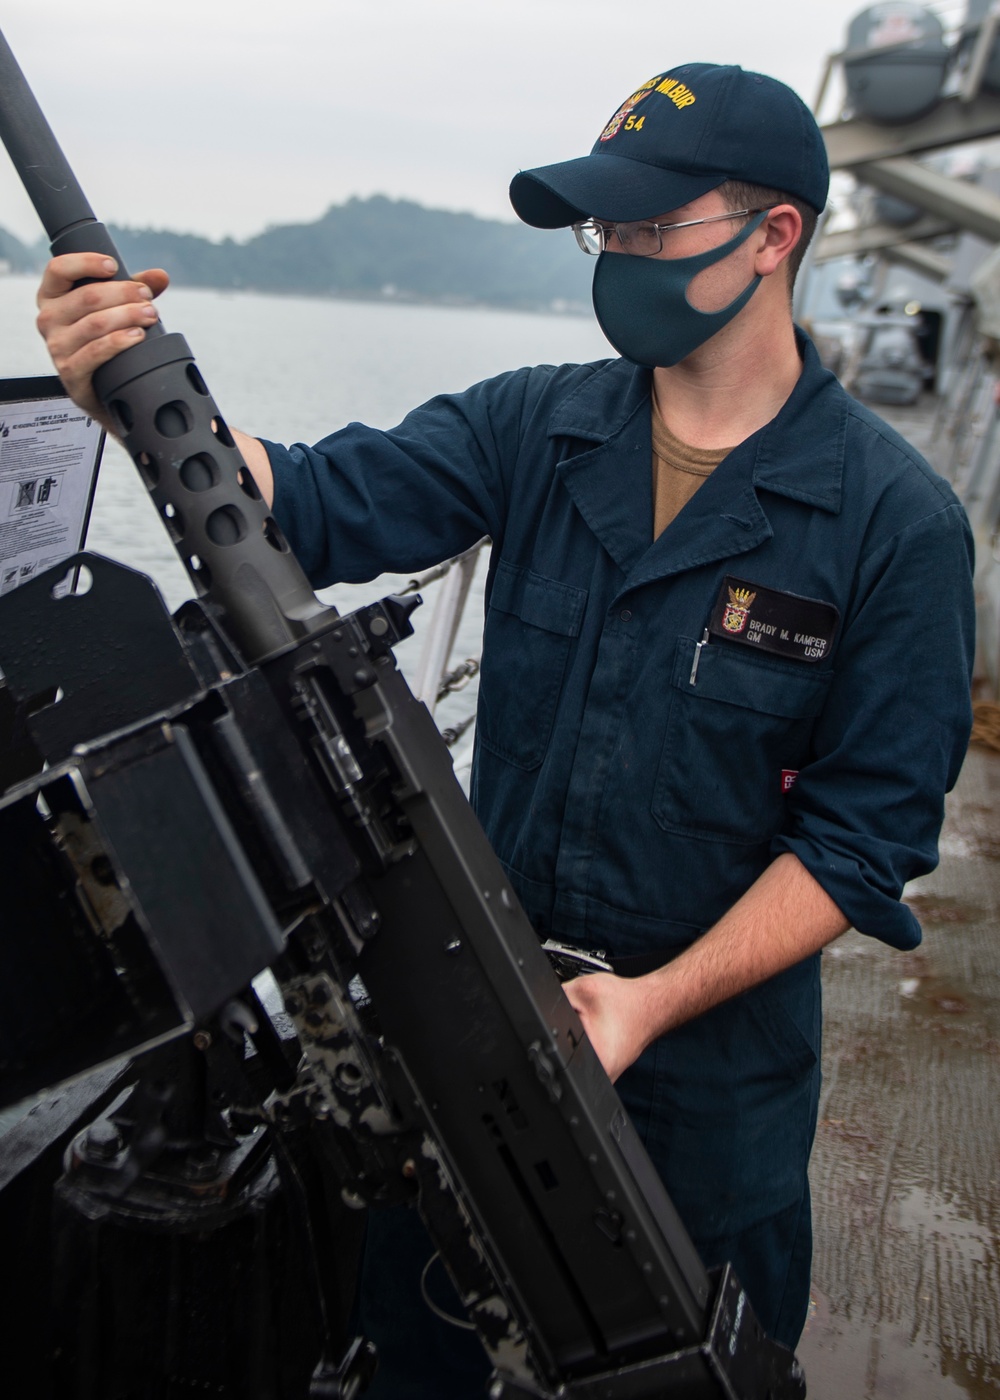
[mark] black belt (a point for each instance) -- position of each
(570, 961)
(638, 964)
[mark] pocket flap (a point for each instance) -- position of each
(539, 601)
(728, 674)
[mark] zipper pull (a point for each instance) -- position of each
(697, 657)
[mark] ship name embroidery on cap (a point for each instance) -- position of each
(680, 95)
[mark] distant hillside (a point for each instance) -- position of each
(18, 256)
(381, 247)
(374, 247)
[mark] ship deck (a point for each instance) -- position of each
(906, 1168)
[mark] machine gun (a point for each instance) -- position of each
(251, 785)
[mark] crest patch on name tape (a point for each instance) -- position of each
(782, 623)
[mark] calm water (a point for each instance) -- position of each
(293, 369)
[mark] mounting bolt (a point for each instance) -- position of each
(103, 1140)
(201, 1040)
(409, 1168)
(203, 1167)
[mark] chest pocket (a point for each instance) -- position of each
(531, 623)
(728, 739)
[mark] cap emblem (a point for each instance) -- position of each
(615, 124)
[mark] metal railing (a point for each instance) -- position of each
(434, 681)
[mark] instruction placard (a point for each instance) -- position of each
(50, 451)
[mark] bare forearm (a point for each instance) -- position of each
(784, 917)
(255, 455)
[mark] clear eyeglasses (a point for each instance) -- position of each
(643, 239)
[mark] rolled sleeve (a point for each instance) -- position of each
(867, 810)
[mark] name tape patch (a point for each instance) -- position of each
(783, 623)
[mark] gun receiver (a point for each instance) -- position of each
(253, 785)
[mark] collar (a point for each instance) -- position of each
(799, 454)
(598, 409)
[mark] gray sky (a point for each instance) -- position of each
(225, 116)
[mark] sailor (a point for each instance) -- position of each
(726, 666)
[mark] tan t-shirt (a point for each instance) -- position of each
(678, 471)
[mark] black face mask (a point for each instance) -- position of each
(642, 305)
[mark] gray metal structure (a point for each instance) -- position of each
(957, 224)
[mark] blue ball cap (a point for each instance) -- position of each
(683, 133)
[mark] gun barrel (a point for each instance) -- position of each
(51, 185)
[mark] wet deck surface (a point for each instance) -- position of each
(906, 1168)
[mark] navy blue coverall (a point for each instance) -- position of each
(631, 807)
